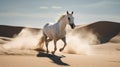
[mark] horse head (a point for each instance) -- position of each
(71, 19)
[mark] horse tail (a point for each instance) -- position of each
(41, 41)
(41, 44)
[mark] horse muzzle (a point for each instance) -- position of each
(72, 25)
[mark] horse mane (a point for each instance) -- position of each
(61, 17)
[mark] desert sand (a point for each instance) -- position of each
(72, 60)
(93, 45)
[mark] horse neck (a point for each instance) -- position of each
(62, 24)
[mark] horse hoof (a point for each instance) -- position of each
(47, 52)
(61, 50)
(53, 52)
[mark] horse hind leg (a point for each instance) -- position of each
(64, 40)
(46, 43)
(55, 47)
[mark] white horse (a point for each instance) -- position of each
(57, 31)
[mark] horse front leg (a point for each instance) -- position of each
(64, 40)
(55, 47)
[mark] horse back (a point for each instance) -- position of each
(53, 31)
(50, 31)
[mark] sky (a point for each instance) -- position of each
(36, 13)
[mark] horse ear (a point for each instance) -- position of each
(67, 12)
(72, 12)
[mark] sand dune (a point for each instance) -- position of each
(11, 31)
(92, 45)
(104, 30)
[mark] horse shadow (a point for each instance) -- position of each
(56, 59)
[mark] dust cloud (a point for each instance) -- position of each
(27, 40)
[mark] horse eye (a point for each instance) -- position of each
(68, 18)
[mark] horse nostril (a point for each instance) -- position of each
(72, 26)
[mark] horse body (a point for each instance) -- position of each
(57, 31)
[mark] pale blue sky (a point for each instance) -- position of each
(36, 13)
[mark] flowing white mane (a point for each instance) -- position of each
(61, 18)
